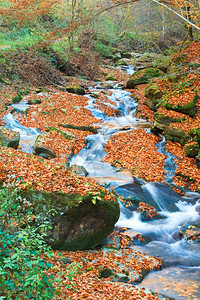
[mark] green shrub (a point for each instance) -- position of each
(24, 253)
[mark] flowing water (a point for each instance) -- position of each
(181, 259)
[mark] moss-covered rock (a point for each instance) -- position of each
(192, 149)
(176, 135)
(173, 76)
(76, 89)
(84, 128)
(78, 222)
(143, 76)
(9, 138)
(34, 101)
(187, 109)
(195, 134)
(153, 94)
(40, 150)
(161, 122)
(110, 78)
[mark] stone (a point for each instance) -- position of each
(76, 89)
(143, 76)
(78, 221)
(9, 138)
(192, 149)
(79, 170)
(187, 109)
(153, 94)
(34, 101)
(110, 78)
(41, 150)
(176, 135)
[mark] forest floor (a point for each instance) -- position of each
(135, 150)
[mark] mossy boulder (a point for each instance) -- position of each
(153, 94)
(111, 78)
(39, 148)
(143, 76)
(78, 222)
(161, 122)
(187, 109)
(173, 76)
(34, 101)
(76, 89)
(176, 135)
(192, 149)
(195, 134)
(9, 138)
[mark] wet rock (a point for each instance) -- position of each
(44, 152)
(76, 89)
(126, 55)
(84, 128)
(9, 138)
(79, 170)
(78, 222)
(105, 273)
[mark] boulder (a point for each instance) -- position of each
(153, 94)
(195, 134)
(143, 76)
(40, 150)
(34, 101)
(78, 221)
(176, 135)
(110, 78)
(9, 138)
(161, 122)
(76, 89)
(187, 109)
(192, 149)
(79, 170)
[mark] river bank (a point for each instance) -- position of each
(130, 149)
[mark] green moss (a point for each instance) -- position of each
(188, 109)
(76, 89)
(84, 128)
(110, 78)
(192, 150)
(195, 134)
(177, 135)
(79, 222)
(65, 135)
(143, 76)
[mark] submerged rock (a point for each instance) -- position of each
(78, 222)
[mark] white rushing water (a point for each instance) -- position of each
(27, 135)
(162, 236)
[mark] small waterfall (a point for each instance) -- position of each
(27, 135)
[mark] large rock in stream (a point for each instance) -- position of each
(78, 222)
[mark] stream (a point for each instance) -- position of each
(181, 259)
